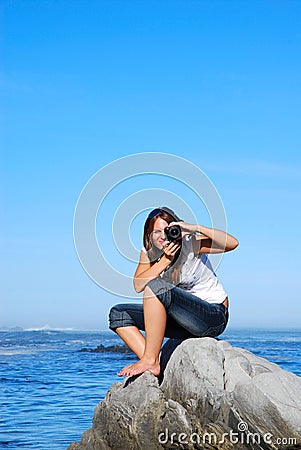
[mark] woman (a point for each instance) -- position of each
(182, 295)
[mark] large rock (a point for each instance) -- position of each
(212, 396)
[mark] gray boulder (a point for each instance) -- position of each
(212, 396)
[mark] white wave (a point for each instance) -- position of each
(17, 352)
(49, 328)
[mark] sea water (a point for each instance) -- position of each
(49, 389)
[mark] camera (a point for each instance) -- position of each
(173, 233)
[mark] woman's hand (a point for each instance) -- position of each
(187, 228)
(170, 249)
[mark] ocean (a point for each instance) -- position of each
(49, 389)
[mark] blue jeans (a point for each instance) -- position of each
(187, 315)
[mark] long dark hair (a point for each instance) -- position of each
(164, 213)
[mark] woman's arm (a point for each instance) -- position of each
(146, 272)
(211, 239)
(215, 241)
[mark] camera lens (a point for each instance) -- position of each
(173, 233)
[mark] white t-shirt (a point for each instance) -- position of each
(194, 273)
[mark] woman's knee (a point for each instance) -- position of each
(160, 289)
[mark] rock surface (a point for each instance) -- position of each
(213, 396)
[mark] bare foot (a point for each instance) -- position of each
(140, 367)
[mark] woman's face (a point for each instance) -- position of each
(158, 236)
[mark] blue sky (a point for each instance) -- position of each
(86, 83)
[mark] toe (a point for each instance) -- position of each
(123, 371)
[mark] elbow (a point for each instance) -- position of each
(234, 244)
(137, 287)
